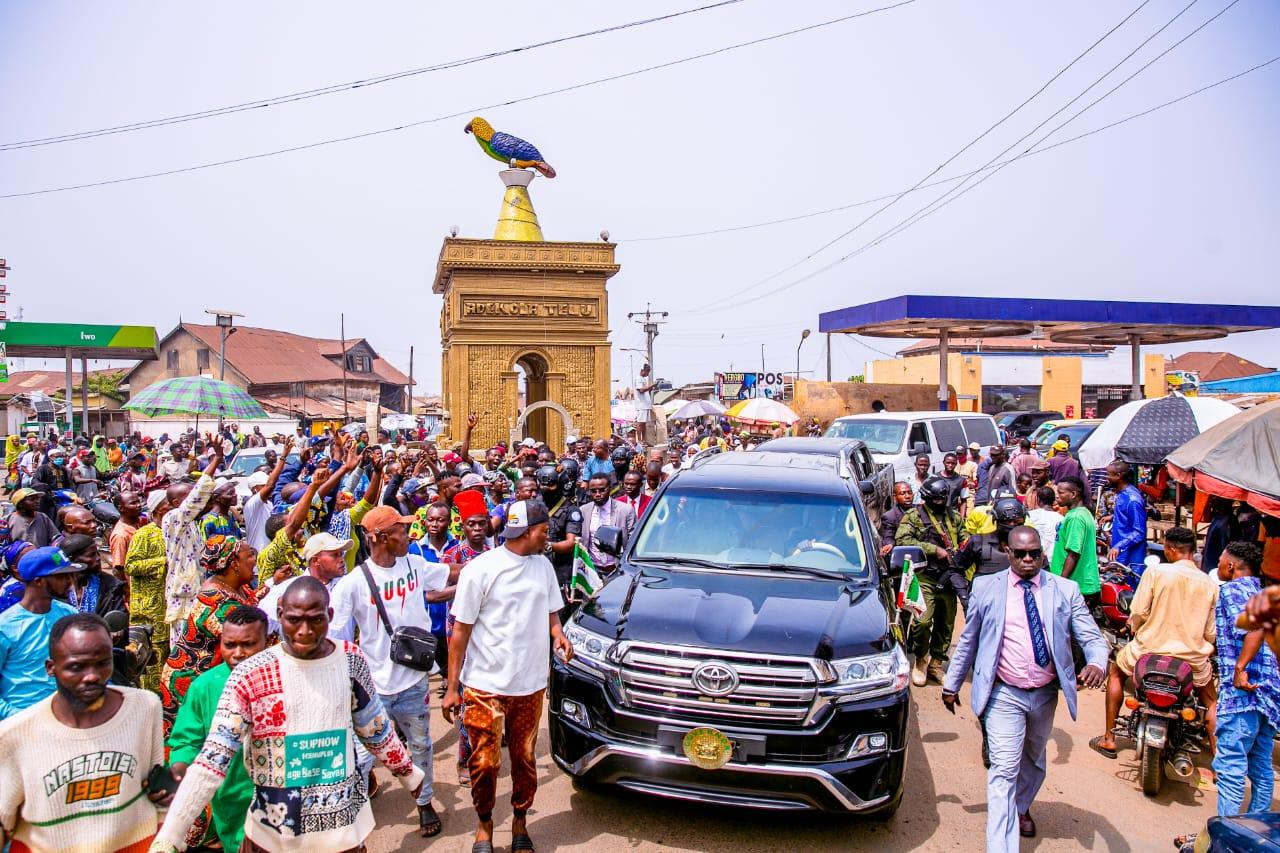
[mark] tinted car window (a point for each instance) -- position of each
(880, 436)
(949, 433)
(744, 529)
(980, 430)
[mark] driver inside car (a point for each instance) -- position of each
(1172, 614)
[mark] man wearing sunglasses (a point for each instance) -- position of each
(1017, 640)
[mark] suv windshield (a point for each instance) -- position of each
(247, 463)
(740, 529)
(880, 436)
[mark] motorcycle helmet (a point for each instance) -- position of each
(621, 455)
(935, 492)
(1009, 512)
(462, 469)
(571, 469)
(549, 477)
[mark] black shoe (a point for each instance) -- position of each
(428, 821)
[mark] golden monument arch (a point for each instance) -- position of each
(524, 328)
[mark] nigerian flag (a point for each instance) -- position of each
(910, 596)
(585, 577)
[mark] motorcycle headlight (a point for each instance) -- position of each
(590, 650)
(871, 674)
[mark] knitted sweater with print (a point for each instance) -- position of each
(68, 790)
(297, 721)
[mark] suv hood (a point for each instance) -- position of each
(785, 614)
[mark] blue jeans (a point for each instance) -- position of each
(1244, 751)
(409, 710)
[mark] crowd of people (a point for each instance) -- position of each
(999, 538)
(269, 635)
(272, 631)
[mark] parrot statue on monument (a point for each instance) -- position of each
(508, 149)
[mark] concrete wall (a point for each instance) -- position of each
(827, 401)
(964, 375)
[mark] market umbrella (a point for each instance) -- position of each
(1144, 432)
(762, 410)
(672, 406)
(623, 411)
(698, 409)
(195, 395)
(1239, 459)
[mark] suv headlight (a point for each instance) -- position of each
(871, 674)
(590, 650)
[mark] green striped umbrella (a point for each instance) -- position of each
(195, 395)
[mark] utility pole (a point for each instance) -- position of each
(342, 326)
(409, 390)
(650, 322)
(828, 356)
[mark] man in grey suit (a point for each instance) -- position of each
(1017, 640)
(600, 511)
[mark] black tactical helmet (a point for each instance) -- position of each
(621, 455)
(1009, 512)
(549, 477)
(571, 470)
(462, 469)
(935, 491)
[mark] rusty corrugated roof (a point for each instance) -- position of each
(1216, 365)
(265, 356)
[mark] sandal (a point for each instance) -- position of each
(1104, 751)
(521, 842)
(482, 847)
(464, 776)
(429, 824)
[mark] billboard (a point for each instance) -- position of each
(744, 386)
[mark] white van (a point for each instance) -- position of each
(899, 437)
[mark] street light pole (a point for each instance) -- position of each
(803, 335)
(226, 328)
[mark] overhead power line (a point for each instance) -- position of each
(998, 164)
(467, 112)
(347, 86)
(924, 212)
(784, 270)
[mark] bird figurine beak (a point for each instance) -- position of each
(467, 129)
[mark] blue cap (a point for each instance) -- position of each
(46, 561)
(412, 486)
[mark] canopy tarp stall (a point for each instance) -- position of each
(1082, 321)
(1238, 459)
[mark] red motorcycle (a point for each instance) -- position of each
(1111, 611)
(1166, 720)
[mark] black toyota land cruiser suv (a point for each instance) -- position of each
(744, 653)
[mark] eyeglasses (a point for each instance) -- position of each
(1024, 553)
(598, 489)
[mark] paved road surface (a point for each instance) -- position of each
(1087, 803)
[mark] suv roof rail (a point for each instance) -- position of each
(702, 456)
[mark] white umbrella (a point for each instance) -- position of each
(623, 411)
(671, 406)
(698, 409)
(1144, 432)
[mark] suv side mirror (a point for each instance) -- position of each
(868, 486)
(900, 554)
(918, 448)
(610, 540)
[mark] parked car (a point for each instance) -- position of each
(897, 438)
(1075, 430)
(245, 462)
(743, 653)
(1018, 425)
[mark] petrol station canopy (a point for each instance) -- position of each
(1080, 321)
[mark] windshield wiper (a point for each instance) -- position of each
(681, 561)
(808, 570)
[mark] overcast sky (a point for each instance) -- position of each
(1181, 205)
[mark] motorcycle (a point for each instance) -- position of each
(1166, 720)
(131, 650)
(1111, 609)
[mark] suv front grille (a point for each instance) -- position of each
(771, 690)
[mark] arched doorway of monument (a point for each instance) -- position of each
(534, 381)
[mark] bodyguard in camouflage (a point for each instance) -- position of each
(935, 528)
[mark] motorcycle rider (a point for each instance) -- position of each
(936, 529)
(1172, 614)
(50, 477)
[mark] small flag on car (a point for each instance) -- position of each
(585, 579)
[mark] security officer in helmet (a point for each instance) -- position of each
(564, 523)
(621, 459)
(984, 554)
(936, 529)
(571, 483)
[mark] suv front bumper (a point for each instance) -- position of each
(800, 768)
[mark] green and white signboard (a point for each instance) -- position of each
(94, 341)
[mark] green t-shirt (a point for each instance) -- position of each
(231, 802)
(1078, 533)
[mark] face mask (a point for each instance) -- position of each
(58, 462)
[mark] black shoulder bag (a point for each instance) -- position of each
(411, 646)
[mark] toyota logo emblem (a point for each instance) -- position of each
(715, 678)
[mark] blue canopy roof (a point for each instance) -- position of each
(1068, 320)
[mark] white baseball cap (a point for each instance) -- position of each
(528, 441)
(257, 479)
(322, 542)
